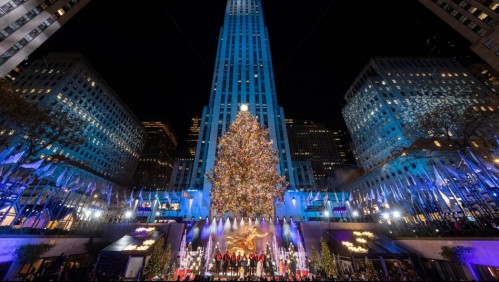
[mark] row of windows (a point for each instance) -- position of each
(35, 32)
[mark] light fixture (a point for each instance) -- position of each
(355, 213)
(386, 216)
(128, 214)
(244, 107)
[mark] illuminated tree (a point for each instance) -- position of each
(245, 179)
(41, 126)
(371, 272)
(156, 264)
(196, 262)
(269, 261)
(328, 262)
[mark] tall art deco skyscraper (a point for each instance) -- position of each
(243, 75)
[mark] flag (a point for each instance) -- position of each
(43, 169)
(14, 158)
(89, 188)
(318, 196)
(309, 197)
(65, 183)
(109, 192)
(6, 153)
(439, 181)
(131, 199)
(49, 172)
(185, 194)
(60, 178)
(470, 164)
(326, 197)
(378, 196)
(33, 165)
(141, 200)
(167, 197)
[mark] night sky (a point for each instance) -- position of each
(164, 50)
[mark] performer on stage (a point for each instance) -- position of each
(252, 263)
(233, 264)
(218, 262)
(226, 261)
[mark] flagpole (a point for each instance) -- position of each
(21, 211)
(483, 167)
(49, 199)
(19, 195)
(36, 201)
(480, 182)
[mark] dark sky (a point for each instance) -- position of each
(164, 50)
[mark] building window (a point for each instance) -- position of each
(489, 44)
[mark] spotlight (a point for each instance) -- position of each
(396, 214)
(355, 213)
(385, 216)
(97, 214)
(326, 213)
(436, 230)
(157, 213)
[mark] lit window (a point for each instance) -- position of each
(437, 143)
(482, 16)
(48, 90)
(59, 96)
(494, 6)
(60, 12)
(474, 144)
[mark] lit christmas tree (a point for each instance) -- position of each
(196, 262)
(371, 272)
(156, 264)
(328, 261)
(292, 259)
(245, 179)
(269, 262)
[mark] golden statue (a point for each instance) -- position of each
(244, 243)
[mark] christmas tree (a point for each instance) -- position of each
(156, 264)
(269, 267)
(371, 272)
(292, 259)
(328, 262)
(196, 262)
(245, 177)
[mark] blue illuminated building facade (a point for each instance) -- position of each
(243, 75)
(114, 135)
(423, 176)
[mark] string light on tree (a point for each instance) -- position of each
(245, 177)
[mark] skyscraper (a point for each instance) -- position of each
(192, 138)
(156, 161)
(243, 75)
(114, 136)
(25, 25)
(476, 21)
(313, 141)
